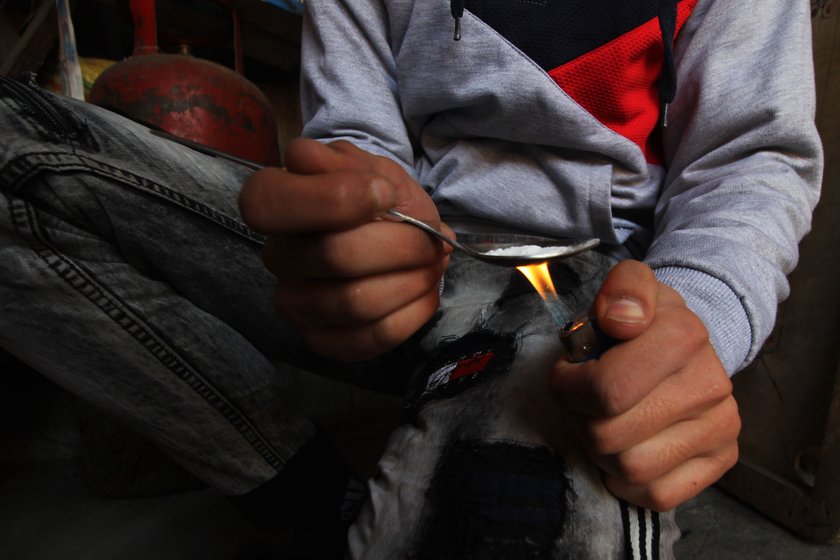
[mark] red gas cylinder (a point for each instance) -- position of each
(189, 97)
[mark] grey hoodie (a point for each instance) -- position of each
(716, 207)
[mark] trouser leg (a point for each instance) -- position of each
(129, 278)
(482, 467)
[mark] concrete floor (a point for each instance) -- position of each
(716, 526)
(47, 511)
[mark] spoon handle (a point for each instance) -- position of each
(429, 229)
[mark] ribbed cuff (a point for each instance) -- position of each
(718, 307)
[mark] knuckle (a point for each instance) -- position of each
(396, 327)
(736, 422)
(725, 459)
(387, 167)
(342, 193)
(332, 255)
(410, 286)
(660, 499)
(634, 469)
(251, 208)
(385, 334)
(603, 438)
(354, 304)
(720, 389)
(730, 420)
(350, 200)
(610, 394)
(431, 278)
(715, 394)
(692, 330)
(731, 456)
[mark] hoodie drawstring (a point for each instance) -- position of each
(667, 27)
(457, 9)
(668, 79)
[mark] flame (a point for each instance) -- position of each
(540, 279)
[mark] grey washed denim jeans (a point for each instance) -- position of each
(128, 277)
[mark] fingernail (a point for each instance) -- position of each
(383, 192)
(625, 310)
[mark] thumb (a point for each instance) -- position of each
(626, 302)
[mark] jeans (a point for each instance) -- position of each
(129, 278)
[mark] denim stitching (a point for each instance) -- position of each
(23, 169)
(27, 226)
(31, 100)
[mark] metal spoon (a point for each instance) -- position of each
(506, 249)
(475, 245)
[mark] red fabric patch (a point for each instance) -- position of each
(618, 82)
(471, 365)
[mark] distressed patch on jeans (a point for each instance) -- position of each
(495, 500)
(462, 363)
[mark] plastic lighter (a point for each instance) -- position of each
(583, 339)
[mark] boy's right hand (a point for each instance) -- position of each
(353, 285)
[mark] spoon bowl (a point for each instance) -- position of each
(506, 249)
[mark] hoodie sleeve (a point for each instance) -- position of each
(348, 86)
(745, 166)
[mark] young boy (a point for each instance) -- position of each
(679, 133)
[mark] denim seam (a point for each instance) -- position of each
(39, 105)
(27, 226)
(25, 168)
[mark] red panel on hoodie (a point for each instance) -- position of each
(618, 82)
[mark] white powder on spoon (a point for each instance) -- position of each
(524, 251)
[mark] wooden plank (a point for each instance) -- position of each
(790, 397)
(826, 485)
(275, 50)
(8, 35)
(285, 25)
(39, 38)
(270, 35)
(785, 502)
(827, 59)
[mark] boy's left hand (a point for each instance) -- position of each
(656, 411)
